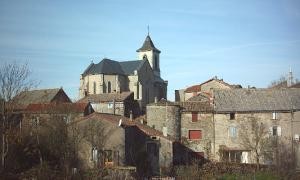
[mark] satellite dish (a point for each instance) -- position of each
(120, 122)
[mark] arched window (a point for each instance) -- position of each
(156, 62)
(145, 57)
(108, 87)
(137, 90)
(94, 87)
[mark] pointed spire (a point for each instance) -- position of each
(148, 45)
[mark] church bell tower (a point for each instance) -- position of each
(149, 52)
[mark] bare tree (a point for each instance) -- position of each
(255, 137)
(14, 78)
(282, 79)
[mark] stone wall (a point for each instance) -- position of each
(164, 118)
(205, 124)
(111, 134)
(109, 107)
(223, 123)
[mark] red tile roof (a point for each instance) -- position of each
(195, 88)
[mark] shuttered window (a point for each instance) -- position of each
(195, 134)
(275, 131)
(194, 116)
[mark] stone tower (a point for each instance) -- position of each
(151, 53)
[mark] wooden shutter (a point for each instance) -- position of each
(194, 116)
(278, 131)
(195, 134)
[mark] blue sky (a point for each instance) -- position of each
(244, 42)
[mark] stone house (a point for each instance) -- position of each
(25, 98)
(40, 115)
(125, 142)
(204, 88)
(213, 126)
(142, 76)
(113, 103)
(235, 109)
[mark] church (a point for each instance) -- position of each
(141, 76)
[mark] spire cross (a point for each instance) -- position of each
(148, 29)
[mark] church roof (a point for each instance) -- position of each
(130, 66)
(148, 46)
(108, 66)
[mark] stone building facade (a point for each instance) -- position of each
(113, 103)
(206, 88)
(142, 76)
(216, 128)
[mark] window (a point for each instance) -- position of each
(94, 87)
(110, 105)
(66, 119)
(35, 121)
(232, 116)
(108, 156)
(94, 154)
(275, 131)
(194, 116)
(274, 115)
(137, 90)
(195, 134)
(232, 132)
(108, 87)
(156, 62)
(145, 57)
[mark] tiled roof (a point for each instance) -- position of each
(148, 45)
(106, 97)
(130, 66)
(57, 108)
(202, 97)
(245, 100)
(125, 122)
(196, 106)
(197, 88)
(108, 66)
(36, 96)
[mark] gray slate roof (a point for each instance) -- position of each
(108, 66)
(107, 97)
(148, 45)
(243, 100)
(36, 96)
